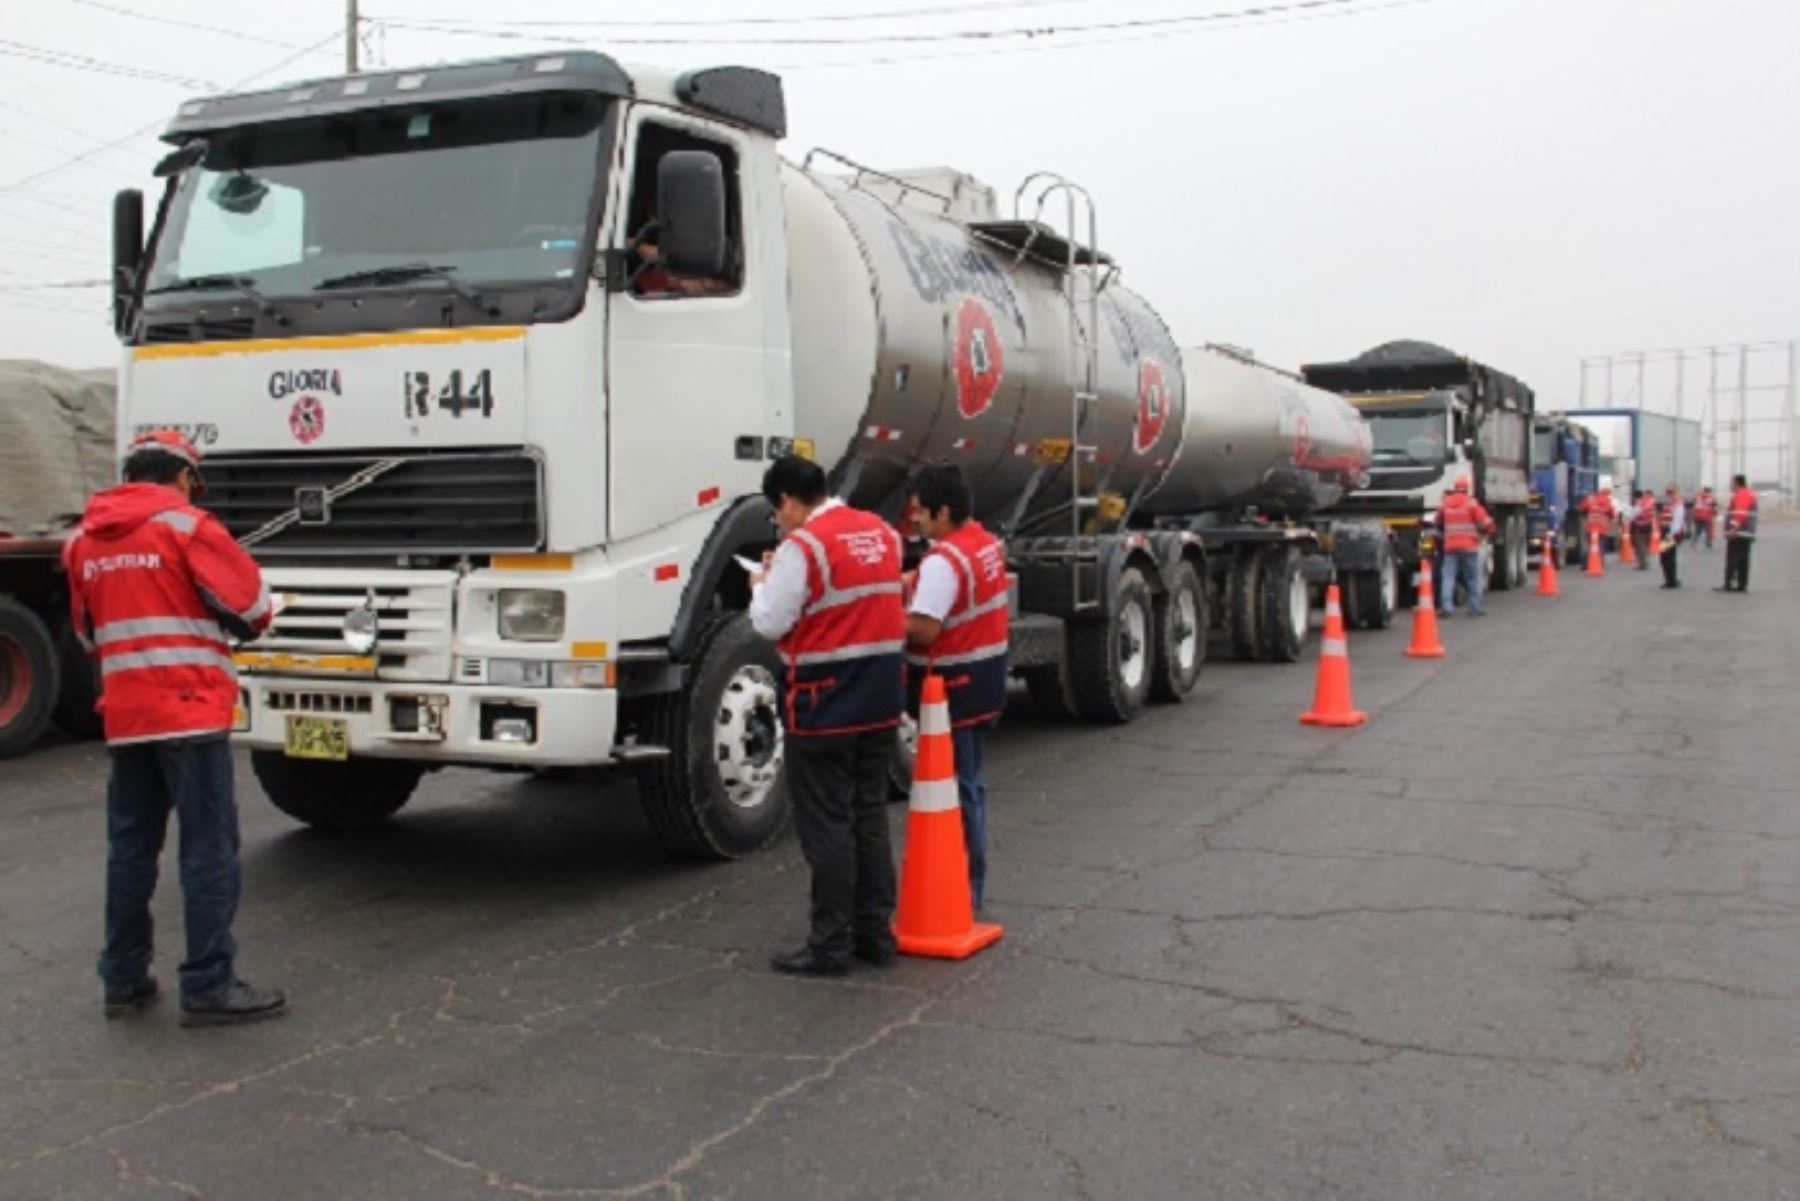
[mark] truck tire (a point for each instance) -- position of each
(1574, 545)
(1370, 597)
(719, 793)
(1242, 613)
(1180, 637)
(1286, 605)
(78, 701)
(30, 677)
(1521, 557)
(336, 796)
(1110, 659)
(1500, 561)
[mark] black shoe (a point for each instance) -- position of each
(1671, 585)
(237, 1004)
(807, 962)
(119, 1005)
(877, 954)
(1723, 588)
(1477, 612)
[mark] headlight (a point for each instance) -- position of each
(532, 614)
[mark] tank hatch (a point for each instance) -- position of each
(1035, 240)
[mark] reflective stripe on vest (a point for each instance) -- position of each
(844, 654)
(972, 638)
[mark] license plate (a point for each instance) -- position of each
(317, 738)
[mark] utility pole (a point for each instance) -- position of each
(352, 32)
(1743, 447)
(1712, 408)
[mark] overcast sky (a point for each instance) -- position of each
(1530, 182)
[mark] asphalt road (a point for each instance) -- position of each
(1533, 932)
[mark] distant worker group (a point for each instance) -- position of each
(1657, 527)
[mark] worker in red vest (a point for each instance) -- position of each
(1462, 522)
(1705, 513)
(1740, 536)
(156, 588)
(957, 627)
(830, 596)
(1600, 516)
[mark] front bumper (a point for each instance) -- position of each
(571, 727)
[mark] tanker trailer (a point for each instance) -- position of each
(1270, 456)
(499, 479)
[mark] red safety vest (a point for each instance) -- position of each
(970, 650)
(1704, 510)
(1599, 513)
(1740, 519)
(1463, 519)
(844, 655)
(154, 584)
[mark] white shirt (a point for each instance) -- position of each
(934, 592)
(777, 602)
(1678, 517)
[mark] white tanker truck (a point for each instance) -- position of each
(487, 361)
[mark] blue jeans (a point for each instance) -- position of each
(972, 792)
(1468, 564)
(149, 780)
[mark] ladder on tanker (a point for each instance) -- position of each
(1080, 264)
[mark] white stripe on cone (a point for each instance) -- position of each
(934, 796)
(1335, 646)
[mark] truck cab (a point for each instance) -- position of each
(1565, 471)
(486, 361)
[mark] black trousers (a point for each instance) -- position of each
(1640, 546)
(1737, 563)
(1671, 573)
(839, 787)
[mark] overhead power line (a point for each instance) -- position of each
(198, 27)
(81, 62)
(1015, 33)
(891, 14)
(96, 151)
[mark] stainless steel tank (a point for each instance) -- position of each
(915, 340)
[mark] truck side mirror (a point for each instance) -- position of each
(690, 203)
(127, 252)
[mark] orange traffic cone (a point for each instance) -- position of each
(1425, 642)
(1547, 569)
(1627, 552)
(937, 917)
(1331, 696)
(1655, 540)
(1596, 564)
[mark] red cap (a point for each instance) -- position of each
(1462, 483)
(168, 442)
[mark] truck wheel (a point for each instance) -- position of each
(1286, 604)
(1370, 598)
(1574, 546)
(900, 763)
(719, 793)
(1045, 687)
(1500, 557)
(1180, 637)
(1110, 659)
(1521, 556)
(336, 796)
(78, 701)
(1241, 609)
(30, 677)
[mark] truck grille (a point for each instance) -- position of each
(413, 609)
(452, 503)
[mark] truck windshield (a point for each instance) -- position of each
(1543, 447)
(487, 192)
(1408, 437)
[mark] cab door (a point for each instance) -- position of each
(687, 358)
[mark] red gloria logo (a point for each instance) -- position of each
(1153, 405)
(306, 420)
(979, 360)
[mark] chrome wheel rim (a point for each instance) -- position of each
(1187, 631)
(747, 736)
(1133, 626)
(1298, 604)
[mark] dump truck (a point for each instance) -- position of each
(499, 448)
(56, 448)
(1437, 415)
(1565, 471)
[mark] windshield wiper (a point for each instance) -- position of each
(244, 285)
(379, 277)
